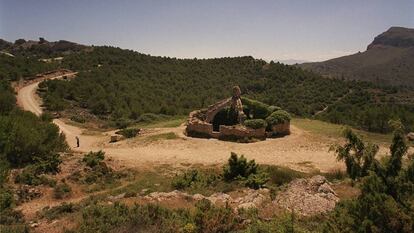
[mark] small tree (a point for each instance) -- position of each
(239, 167)
(358, 157)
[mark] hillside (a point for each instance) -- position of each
(41, 48)
(118, 87)
(387, 61)
(122, 86)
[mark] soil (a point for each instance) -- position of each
(294, 150)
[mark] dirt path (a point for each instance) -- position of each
(300, 150)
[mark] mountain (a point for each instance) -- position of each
(291, 61)
(388, 61)
(41, 48)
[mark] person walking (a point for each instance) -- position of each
(77, 141)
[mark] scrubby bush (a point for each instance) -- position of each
(239, 167)
(255, 109)
(359, 157)
(62, 190)
(128, 132)
(78, 118)
(58, 211)
(255, 123)
(28, 140)
(256, 181)
(194, 178)
(278, 117)
(93, 158)
(273, 108)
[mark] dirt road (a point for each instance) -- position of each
(300, 150)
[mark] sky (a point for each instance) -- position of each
(311, 30)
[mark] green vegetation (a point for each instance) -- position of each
(255, 123)
(278, 117)
(238, 168)
(20, 67)
(162, 136)
(119, 84)
(195, 179)
(92, 159)
(62, 190)
(385, 203)
(26, 141)
(128, 132)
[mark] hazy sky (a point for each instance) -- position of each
(306, 30)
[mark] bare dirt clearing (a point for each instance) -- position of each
(301, 150)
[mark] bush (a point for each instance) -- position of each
(193, 178)
(57, 211)
(62, 190)
(128, 132)
(238, 167)
(93, 158)
(29, 140)
(278, 117)
(78, 118)
(359, 158)
(255, 109)
(273, 108)
(257, 181)
(255, 123)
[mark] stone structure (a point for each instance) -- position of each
(200, 122)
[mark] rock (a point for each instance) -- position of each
(117, 197)
(410, 136)
(325, 188)
(219, 197)
(115, 138)
(247, 205)
(34, 225)
(308, 197)
(27, 193)
(198, 197)
(161, 196)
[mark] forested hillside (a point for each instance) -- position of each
(122, 84)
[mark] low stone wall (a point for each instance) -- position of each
(240, 132)
(199, 129)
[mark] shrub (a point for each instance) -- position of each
(93, 158)
(62, 190)
(78, 118)
(57, 211)
(255, 123)
(193, 178)
(29, 140)
(273, 108)
(257, 181)
(128, 132)
(278, 117)
(238, 167)
(255, 109)
(359, 158)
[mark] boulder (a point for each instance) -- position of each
(410, 136)
(308, 197)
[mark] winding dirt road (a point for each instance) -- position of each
(300, 150)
